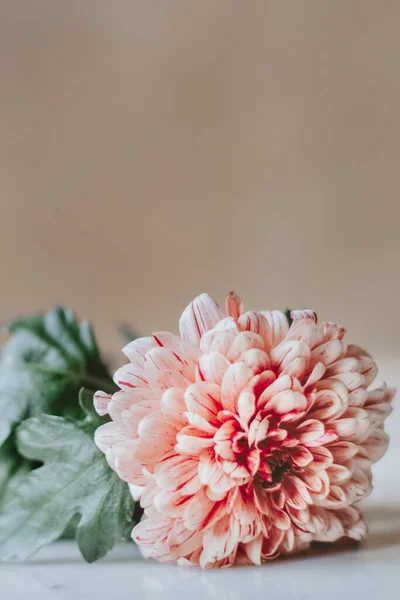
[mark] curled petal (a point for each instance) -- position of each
(358, 397)
(175, 471)
(305, 327)
(212, 367)
(108, 435)
(266, 386)
(203, 398)
(368, 369)
(173, 404)
(211, 475)
(271, 542)
(338, 474)
(233, 305)
(119, 457)
(292, 357)
(285, 402)
(123, 400)
(301, 456)
(329, 526)
(309, 431)
(165, 339)
(257, 360)
(376, 444)
(235, 379)
(192, 441)
(278, 327)
(219, 541)
(148, 533)
(126, 378)
(245, 340)
(343, 451)
(256, 322)
(161, 358)
(201, 315)
(316, 374)
(332, 331)
(322, 458)
(296, 492)
(134, 414)
(328, 352)
(253, 550)
(158, 436)
(200, 423)
(351, 380)
(217, 341)
(353, 426)
(304, 315)
(353, 522)
(329, 400)
(343, 365)
(101, 401)
(136, 351)
(183, 542)
(246, 405)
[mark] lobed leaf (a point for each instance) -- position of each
(74, 480)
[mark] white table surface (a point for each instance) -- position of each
(370, 571)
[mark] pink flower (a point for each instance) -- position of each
(243, 437)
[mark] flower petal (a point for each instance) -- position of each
(309, 431)
(101, 401)
(328, 352)
(123, 400)
(296, 492)
(203, 398)
(257, 360)
(233, 305)
(219, 541)
(136, 351)
(126, 378)
(235, 379)
(286, 402)
(201, 315)
(108, 435)
(192, 441)
(291, 357)
(278, 327)
(245, 340)
(211, 367)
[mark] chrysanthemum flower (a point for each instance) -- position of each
(244, 437)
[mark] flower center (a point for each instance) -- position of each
(278, 468)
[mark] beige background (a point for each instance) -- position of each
(154, 150)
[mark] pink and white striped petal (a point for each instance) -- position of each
(136, 351)
(127, 378)
(278, 327)
(234, 381)
(101, 401)
(211, 367)
(201, 315)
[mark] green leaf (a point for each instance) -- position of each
(44, 364)
(12, 466)
(74, 480)
(8, 462)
